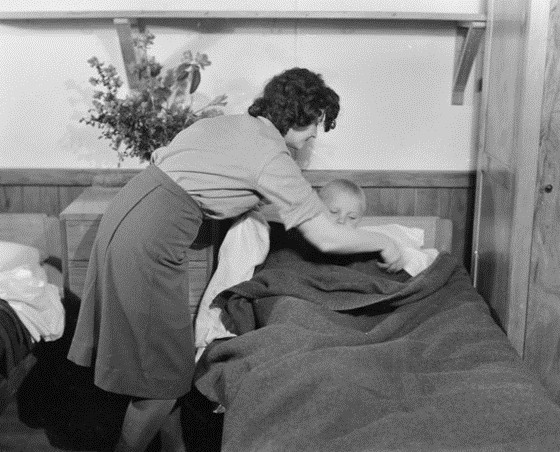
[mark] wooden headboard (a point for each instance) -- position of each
(40, 231)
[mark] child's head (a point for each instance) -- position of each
(345, 201)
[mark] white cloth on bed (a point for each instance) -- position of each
(246, 245)
(36, 302)
(411, 241)
(15, 254)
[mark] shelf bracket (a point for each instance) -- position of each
(125, 31)
(469, 36)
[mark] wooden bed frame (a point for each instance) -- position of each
(42, 232)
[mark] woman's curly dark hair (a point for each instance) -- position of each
(297, 98)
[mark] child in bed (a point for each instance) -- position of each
(346, 205)
(345, 201)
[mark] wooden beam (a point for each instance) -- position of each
(470, 43)
(110, 177)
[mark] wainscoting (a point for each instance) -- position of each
(448, 194)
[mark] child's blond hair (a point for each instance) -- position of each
(346, 186)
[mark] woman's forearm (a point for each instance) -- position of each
(329, 237)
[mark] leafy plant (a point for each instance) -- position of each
(158, 106)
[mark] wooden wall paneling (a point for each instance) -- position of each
(317, 178)
(66, 176)
(371, 178)
(4, 199)
(41, 199)
(443, 194)
(373, 202)
(458, 205)
(405, 200)
(389, 201)
(426, 202)
(12, 198)
(67, 194)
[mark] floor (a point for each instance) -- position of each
(58, 408)
(93, 427)
(57, 405)
(18, 437)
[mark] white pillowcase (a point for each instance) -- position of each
(15, 254)
(405, 236)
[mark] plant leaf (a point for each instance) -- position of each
(218, 101)
(182, 71)
(195, 80)
(151, 115)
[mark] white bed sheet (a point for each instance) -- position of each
(24, 285)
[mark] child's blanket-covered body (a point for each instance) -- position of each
(346, 357)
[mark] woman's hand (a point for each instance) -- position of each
(393, 257)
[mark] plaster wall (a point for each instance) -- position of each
(394, 79)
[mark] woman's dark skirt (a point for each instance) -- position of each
(134, 323)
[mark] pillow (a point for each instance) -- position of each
(403, 235)
(15, 254)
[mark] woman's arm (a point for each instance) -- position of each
(330, 237)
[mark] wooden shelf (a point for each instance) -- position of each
(470, 28)
(239, 14)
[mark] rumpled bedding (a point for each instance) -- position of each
(37, 303)
(246, 246)
(339, 355)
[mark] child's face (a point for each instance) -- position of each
(344, 208)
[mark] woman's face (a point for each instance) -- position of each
(298, 137)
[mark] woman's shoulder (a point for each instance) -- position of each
(242, 138)
(260, 134)
(243, 124)
(240, 119)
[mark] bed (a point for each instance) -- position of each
(336, 354)
(31, 309)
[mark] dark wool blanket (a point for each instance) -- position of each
(15, 340)
(342, 356)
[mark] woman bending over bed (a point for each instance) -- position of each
(134, 323)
